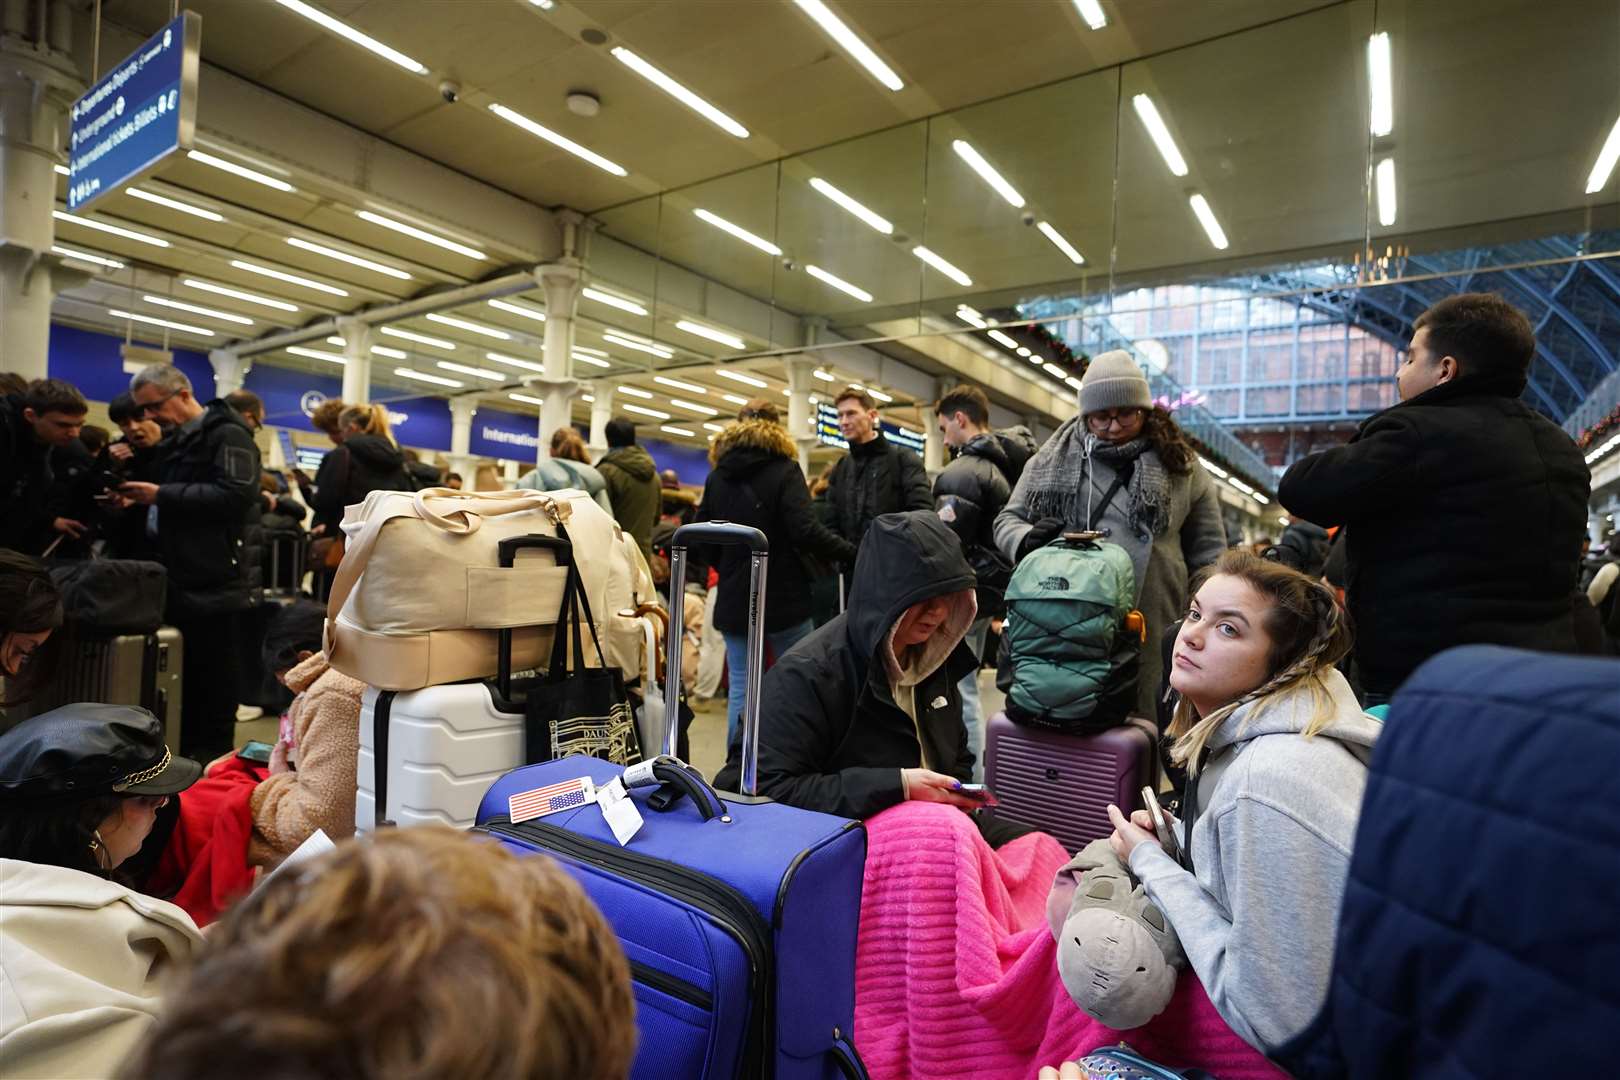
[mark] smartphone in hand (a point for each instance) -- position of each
(1161, 824)
(256, 752)
(979, 792)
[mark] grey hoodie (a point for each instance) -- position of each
(1271, 848)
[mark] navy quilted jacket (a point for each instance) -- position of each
(1480, 933)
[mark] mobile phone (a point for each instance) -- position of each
(980, 792)
(256, 752)
(1161, 824)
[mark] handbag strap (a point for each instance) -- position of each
(574, 601)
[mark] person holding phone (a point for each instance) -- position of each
(1276, 748)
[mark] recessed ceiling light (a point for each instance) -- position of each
(514, 362)
(838, 283)
(291, 279)
(612, 301)
(422, 376)
(731, 341)
(1384, 174)
(518, 309)
(102, 226)
(879, 395)
(824, 375)
(679, 92)
(560, 141)
(694, 407)
(239, 170)
(1055, 371)
(738, 376)
(526, 399)
(184, 327)
(173, 204)
(421, 234)
(851, 43)
(1160, 134)
(625, 341)
(85, 256)
(873, 219)
(316, 354)
(636, 391)
(970, 316)
(987, 172)
(470, 327)
(344, 30)
(392, 354)
(196, 309)
(943, 266)
(691, 388)
(737, 230)
(420, 339)
(673, 430)
(997, 335)
(586, 358)
(476, 372)
(733, 399)
(589, 352)
(1206, 218)
(1059, 242)
(1072, 382)
(1380, 85)
(1604, 165)
(712, 426)
(344, 256)
(1023, 352)
(643, 411)
(1092, 12)
(237, 294)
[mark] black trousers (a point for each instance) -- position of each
(210, 684)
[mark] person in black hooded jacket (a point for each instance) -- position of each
(865, 712)
(365, 461)
(1463, 508)
(756, 481)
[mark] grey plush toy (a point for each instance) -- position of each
(1117, 954)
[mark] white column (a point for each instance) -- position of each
(601, 413)
(933, 441)
(230, 371)
(461, 419)
(357, 341)
(38, 83)
(561, 282)
(800, 420)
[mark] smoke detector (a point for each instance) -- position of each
(583, 103)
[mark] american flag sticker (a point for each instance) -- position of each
(550, 799)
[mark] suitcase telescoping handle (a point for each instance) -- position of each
(721, 532)
(507, 550)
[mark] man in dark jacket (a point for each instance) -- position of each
(34, 424)
(968, 494)
(1463, 508)
(632, 484)
(876, 477)
(756, 481)
(207, 517)
(865, 713)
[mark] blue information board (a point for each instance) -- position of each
(141, 111)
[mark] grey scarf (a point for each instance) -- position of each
(1059, 481)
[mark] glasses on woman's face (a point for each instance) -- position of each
(1107, 418)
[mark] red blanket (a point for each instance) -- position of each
(956, 971)
(205, 862)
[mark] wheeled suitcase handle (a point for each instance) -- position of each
(722, 532)
(669, 770)
(507, 551)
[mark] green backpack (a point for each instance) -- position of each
(1073, 637)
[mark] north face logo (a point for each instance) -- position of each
(1055, 582)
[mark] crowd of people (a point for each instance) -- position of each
(396, 955)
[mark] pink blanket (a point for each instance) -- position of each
(956, 971)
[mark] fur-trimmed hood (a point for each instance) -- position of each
(764, 435)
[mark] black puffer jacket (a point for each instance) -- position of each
(208, 514)
(971, 491)
(831, 736)
(25, 482)
(1463, 512)
(756, 481)
(876, 477)
(363, 464)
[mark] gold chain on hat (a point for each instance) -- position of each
(145, 774)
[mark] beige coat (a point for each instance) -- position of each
(290, 806)
(82, 965)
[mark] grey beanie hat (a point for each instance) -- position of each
(1114, 381)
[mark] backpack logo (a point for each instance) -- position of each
(1056, 581)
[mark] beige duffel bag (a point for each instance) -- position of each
(420, 596)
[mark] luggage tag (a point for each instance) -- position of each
(619, 810)
(551, 799)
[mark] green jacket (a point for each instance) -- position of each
(633, 489)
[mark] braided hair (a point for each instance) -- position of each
(1309, 633)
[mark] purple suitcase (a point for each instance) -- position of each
(1062, 784)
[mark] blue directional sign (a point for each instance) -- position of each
(142, 111)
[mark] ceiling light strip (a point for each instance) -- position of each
(851, 43)
(237, 294)
(987, 172)
(679, 93)
(420, 234)
(1384, 177)
(344, 256)
(239, 170)
(115, 230)
(476, 372)
(1091, 11)
(420, 339)
(623, 304)
(183, 327)
(1603, 167)
(514, 362)
(560, 141)
(316, 354)
(470, 327)
(349, 33)
(422, 376)
(740, 377)
(1380, 85)
(641, 410)
(636, 392)
(195, 309)
(1160, 134)
(85, 256)
(291, 279)
(638, 345)
(731, 341)
(694, 406)
(1206, 218)
(736, 230)
(518, 309)
(677, 384)
(838, 283)
(585, 358)
(173, 204)
(875, 220)
(1060, 242)
(943, 266)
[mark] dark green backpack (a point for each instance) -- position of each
(1073, 637)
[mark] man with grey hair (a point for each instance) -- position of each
(204, 510)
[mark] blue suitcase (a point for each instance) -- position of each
(738, 914)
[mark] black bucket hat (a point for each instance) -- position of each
(85, 750)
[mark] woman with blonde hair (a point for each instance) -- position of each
(366, 460)
(569, 466)
(1276, 747)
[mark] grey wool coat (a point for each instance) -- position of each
(1194, 539)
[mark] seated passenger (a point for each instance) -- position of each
(83, 959)
(412, 953)
(865, 712)
(1277, 748)
(312, 767)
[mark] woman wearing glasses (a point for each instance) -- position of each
(1123, 468)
